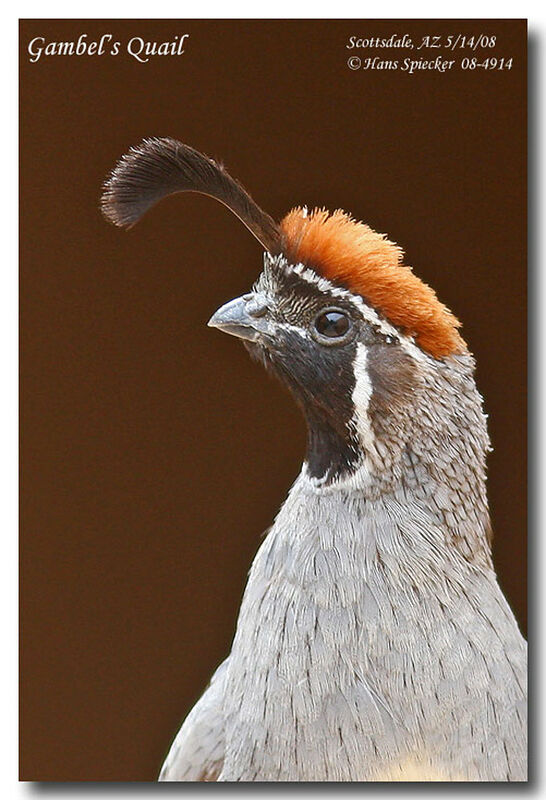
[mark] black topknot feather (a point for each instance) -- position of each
(157, 168)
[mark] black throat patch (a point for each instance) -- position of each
(322, 381)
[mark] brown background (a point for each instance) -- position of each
(154, 453)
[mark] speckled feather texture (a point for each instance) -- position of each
(373, 642)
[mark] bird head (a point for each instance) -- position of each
(372, 356)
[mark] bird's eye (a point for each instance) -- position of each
(332, 324)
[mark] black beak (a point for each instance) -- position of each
(243, 317)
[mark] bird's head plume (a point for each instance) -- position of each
(338, 248)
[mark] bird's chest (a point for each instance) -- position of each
(302, 702)
(356, 659)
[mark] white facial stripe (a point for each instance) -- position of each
(361, 398)
(362, 426)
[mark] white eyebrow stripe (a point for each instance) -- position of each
(324, 285)
(370, 314)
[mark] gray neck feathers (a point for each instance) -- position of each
(424, 443)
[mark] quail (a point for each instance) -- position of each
(373, 641)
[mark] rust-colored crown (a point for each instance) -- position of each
(351, 254)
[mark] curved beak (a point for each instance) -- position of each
(243, 317)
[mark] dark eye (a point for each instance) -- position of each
(332, 324)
